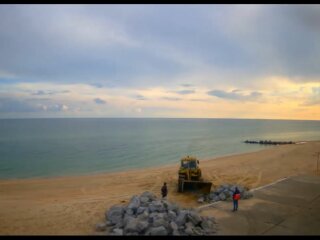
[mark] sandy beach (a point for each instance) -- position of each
(73, 205)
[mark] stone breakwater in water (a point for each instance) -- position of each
(224, 192)
(269, 142)
(147, 215)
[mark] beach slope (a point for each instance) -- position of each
(73, 205)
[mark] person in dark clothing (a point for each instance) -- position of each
(235, 197)
(164, 190)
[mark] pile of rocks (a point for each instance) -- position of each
(225, 192)
(147, 215)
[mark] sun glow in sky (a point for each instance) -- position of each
(193, 61)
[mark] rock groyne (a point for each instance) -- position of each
(269, 142)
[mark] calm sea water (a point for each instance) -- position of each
(58, 147)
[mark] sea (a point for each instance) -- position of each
(41, 148)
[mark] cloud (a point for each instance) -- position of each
(275, 39)
(97, 85)
(180, 53)
(186, 85)
(138, 110)
(140, 97)
(199, 100)
(99, 101)
(184, 92)
(48, 92)
(86, 44)
(9, 105)
(99, 43)
(171, 98)
(314, 98)
(235, 95)
(54, 107)
(7, 75)
(40, 92)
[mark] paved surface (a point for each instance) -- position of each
(289, 207)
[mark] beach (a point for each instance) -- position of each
(73, 205)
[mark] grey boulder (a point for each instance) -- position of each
(222, 196)
(100, 227)
(115, 214)
(158, 231)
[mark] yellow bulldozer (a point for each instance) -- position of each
(190, 176)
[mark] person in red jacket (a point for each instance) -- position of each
(235, 197)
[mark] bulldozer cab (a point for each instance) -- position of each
(189, 169)
(186, 163)
(189, 162)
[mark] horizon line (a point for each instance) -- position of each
(24, 118)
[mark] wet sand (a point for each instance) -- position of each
(73, 205)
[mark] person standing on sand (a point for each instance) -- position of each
(164, 190)
(235, 197)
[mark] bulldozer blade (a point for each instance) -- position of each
(198, 186)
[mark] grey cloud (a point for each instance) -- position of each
(40, 92)
(255, 94)
(306, 15)
(199, 100)
(37, 42)
(97, 85)
(140, 97)
(48, 92)
(235, 95)
(186, 85)
(103, 84)
(54, 107)
(184, 92)
(171, 98)
(11, 105)
(236, 90)
(38, 99)
(99, 101)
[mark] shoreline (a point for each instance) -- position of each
(72, 205)
(131, 169)
(93, 174)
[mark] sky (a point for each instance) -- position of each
(171, 61)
